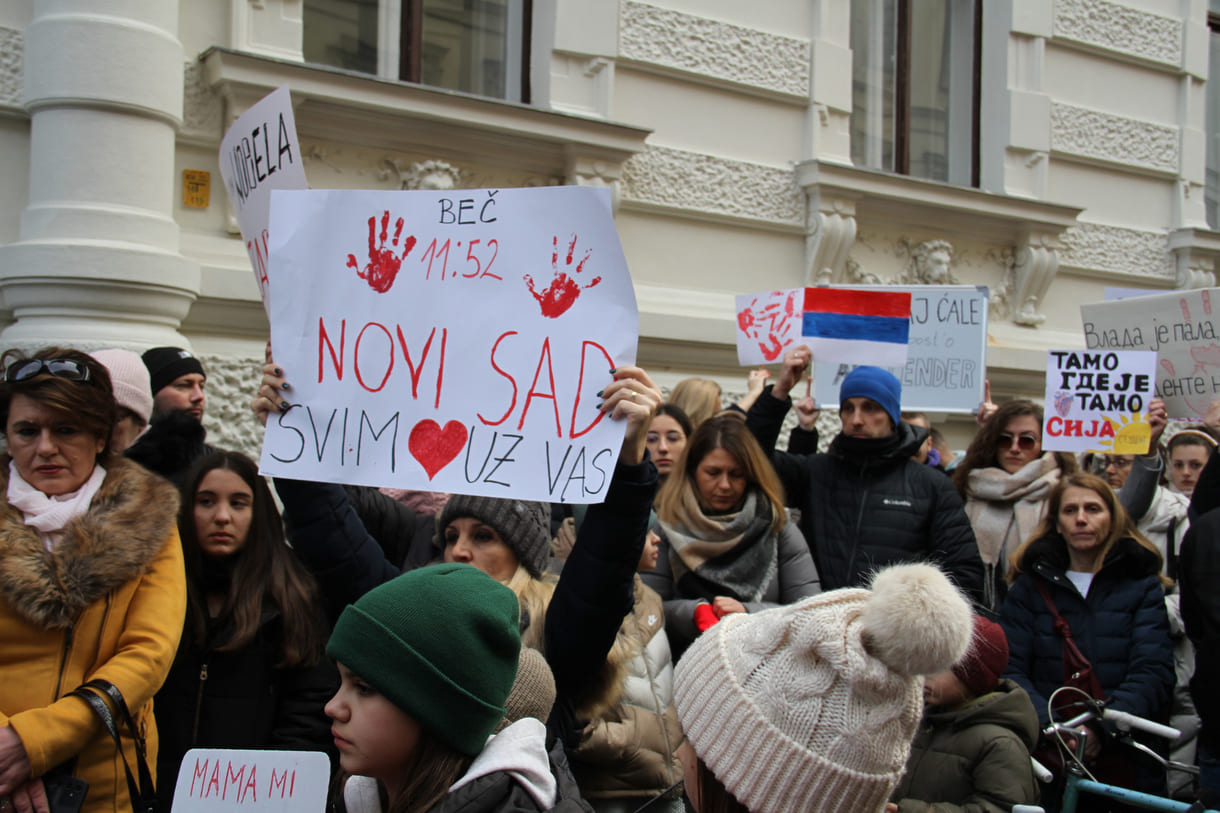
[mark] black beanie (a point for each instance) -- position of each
(168, 363)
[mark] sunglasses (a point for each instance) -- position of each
(67, 369)
(1026, 443)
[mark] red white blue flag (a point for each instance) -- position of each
(851, 326)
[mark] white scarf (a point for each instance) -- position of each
(50, 515)
(1005, 508)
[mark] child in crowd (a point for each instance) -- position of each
(812, 706)
(973, 746)
(427, 662)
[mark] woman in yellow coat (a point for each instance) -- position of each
(91, 582)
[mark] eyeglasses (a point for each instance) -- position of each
(68, 369)
(1117, 462)
(1027, 443)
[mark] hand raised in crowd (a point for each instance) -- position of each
(796, 364)
(632, 397)
(1212, 419)
(757, 380)
(988, 407)
(807, 412)
(272, 395)
(1157, 419)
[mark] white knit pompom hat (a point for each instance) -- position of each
(813, 706)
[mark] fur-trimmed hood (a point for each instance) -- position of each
(125, 527)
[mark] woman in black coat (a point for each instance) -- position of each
(250, 671)
(1103, 578)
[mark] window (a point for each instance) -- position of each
(1211, 184)
(475, 46)
(915, 87)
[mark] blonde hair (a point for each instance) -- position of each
(728, 433)
(699, 398)
(1121, 524)
(534, 596)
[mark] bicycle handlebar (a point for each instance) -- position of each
(1124, 721)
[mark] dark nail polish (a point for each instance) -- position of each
(278, 371)
(283, 405)
(286, 385)
(599, 393)
(613, 370)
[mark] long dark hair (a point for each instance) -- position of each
(714, 797)
(265, 569)
(431, 770)
(984, 449)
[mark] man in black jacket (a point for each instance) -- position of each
(865, 504)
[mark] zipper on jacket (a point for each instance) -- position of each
(203, 678)
(63, 662)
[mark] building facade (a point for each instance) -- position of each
(1043, 148)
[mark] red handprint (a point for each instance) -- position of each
(561, 294)
(770, 325)
(383, 262)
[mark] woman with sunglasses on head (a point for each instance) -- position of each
(91, 582)
(250, 671)
(1004, 479)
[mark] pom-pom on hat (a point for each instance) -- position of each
(523, 525)
(441, 643)
(167, 363)
(983, 664)
(129, 377)
(813, 706)
(875, 383)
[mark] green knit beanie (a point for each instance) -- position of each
(441, 643)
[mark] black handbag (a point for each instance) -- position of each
(101, 695)
(65, 792)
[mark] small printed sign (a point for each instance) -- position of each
(196, 188)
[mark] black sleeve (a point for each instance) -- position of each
(404, 536)
(332, 542)
(596, 590)
(764, 420)
(802, 441)
(1206, 495)
(300, 723)
(952, 540)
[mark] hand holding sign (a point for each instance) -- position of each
(796, 365)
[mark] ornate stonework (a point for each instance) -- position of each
(715, 49)
(1116, 249)
(12, 46)
(1114, 139)
(1117, 27)
(202, 107)
(712, 185)
(929, 264)
(430, 174)
(232, 382)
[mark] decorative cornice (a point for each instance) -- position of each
(1117, 250)
(706, 184)
(1113, 139)
(1115, 27)
(12, 48)
(714, 49)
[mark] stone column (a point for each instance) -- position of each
(97, 261)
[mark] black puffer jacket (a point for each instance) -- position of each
(240, 699)
(866, 504)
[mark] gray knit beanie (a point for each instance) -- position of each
(813, 706)
(524, 526)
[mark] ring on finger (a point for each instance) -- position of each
(634, 394)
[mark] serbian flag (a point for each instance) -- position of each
(850, 326)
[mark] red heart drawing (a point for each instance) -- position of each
(434, 447)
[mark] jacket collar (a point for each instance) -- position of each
(128, 522)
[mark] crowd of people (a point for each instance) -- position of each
(880, 626)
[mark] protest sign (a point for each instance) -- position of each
(1183, 330)
(1098, 401)
(768, 324)
(450, 341)
(215, 779)
(857, 326)
(946, 352)
(259, 153)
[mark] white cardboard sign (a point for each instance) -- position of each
(1097, 401)
(768, 324)
(214, 779)
(259, 153)
(449, 340)
(946, 352)
(1183, 328)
